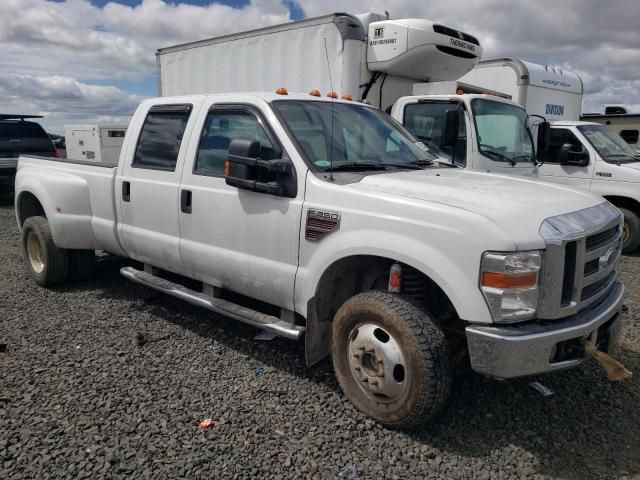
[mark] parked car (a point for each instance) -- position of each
(327, 220)
(19, 136)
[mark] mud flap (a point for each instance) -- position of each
(615, 370)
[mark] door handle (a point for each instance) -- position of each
(185, 201)
(126, 191)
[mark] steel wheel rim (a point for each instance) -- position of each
(35, 252)
(626, 232)
(377, 363)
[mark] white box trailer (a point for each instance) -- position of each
(370, 57)
(551, 92)
(97, 143)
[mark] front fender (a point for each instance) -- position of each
(65, 200)
(456, 275)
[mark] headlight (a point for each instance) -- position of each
(509, 283)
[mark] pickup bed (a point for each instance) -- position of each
(325, 220)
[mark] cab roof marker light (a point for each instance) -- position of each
(315, 92)
(282, 91)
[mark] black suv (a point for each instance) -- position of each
(18, 137)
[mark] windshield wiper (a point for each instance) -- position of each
(501, 156)
(408, 166)
(632, 158)
(528, 157)
(354, 166)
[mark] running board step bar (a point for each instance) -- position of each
(218, 305)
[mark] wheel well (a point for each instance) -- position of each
(29, 206)
(352, 275)
(625, 202)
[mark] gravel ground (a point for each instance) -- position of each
(80, 399)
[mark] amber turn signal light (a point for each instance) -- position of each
(506, 280)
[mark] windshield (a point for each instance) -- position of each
(363, 137)
(502, 131)
(611, 147)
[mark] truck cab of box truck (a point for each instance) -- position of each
(478, 132)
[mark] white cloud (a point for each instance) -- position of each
(63, 99)
(66, 46)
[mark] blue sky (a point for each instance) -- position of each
(95, 60)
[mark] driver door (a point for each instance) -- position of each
(240, 240)
(552, 171)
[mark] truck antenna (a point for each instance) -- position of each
(331, 95)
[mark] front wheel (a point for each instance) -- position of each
(630, 231)
(391, 359)
(47, 264)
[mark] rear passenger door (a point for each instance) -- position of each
(236, 239)
(148, 185)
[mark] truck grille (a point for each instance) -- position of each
(580, 262)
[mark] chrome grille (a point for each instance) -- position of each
(579, 267)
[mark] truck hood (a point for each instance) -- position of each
(517, 205)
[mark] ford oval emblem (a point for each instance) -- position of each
(606, 260)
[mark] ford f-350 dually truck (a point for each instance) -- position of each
(325, 219)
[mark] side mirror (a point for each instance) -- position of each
(568, 155)
(450, 132)
(544, 137)
(244, 169)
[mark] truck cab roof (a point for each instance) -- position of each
(265, 96)
(572, 123)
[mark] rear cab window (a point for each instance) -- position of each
(161, 137)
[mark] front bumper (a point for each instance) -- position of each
(528, 349)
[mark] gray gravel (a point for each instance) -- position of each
(80, 399)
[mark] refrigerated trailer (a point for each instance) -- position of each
(367, 56)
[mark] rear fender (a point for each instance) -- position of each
(65, 200)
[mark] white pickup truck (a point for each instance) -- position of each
(325, 219)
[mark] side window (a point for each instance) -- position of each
(629, 136)
(557, 138)
(220, 129)
(426, 122)
(161, 137)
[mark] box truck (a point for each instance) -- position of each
(392, 64)
(96, 143)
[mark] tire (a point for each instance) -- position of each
(415, 383)
(81, 264)
(47, 264)
(631, 231)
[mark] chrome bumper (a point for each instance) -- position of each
(528, 349)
